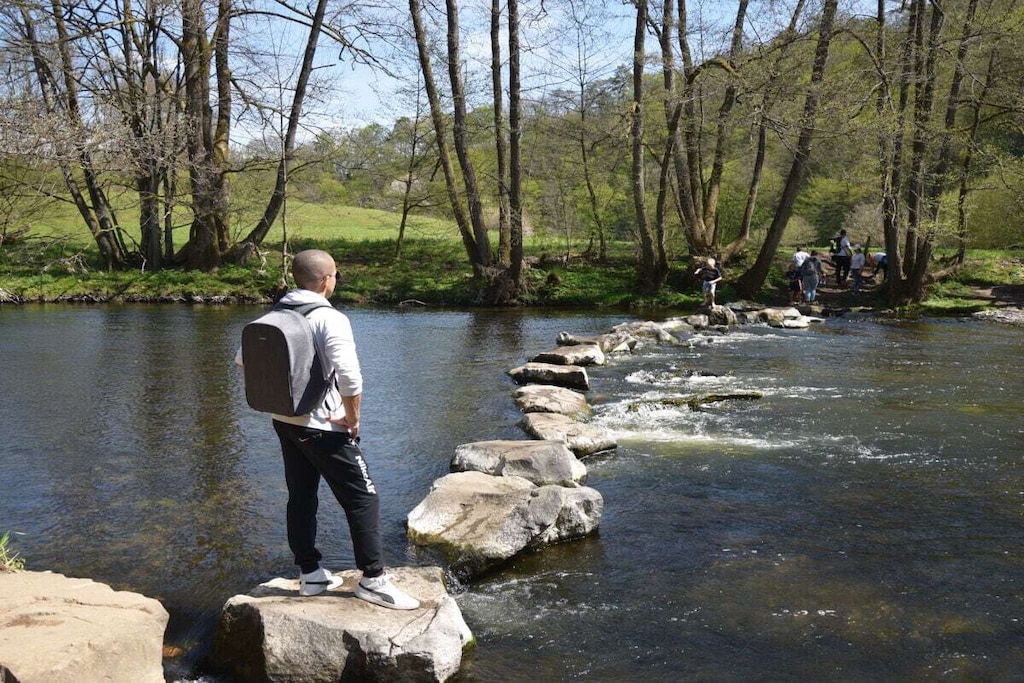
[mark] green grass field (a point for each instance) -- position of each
(304, 220)
(57, 261)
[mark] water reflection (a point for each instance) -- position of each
(860, 521)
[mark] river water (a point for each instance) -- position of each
(864, 520)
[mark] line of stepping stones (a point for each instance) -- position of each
(507, 497)
(501, 498)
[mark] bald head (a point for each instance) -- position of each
(310, 267)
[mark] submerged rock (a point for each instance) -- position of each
(694, 402)
(475, 521)
(540, 462)
(272, 634)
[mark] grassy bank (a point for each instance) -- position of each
(434, 271)
(57, 262)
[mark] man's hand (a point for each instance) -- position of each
(351, 418)
(351, 425)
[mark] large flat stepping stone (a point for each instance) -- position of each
(582, 438)
(273, 634)
(476, 521)
(540, 462)
(60, 629)
(577, 354)
(543, 398)
(570, 376)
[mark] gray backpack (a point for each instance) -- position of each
(282, 367)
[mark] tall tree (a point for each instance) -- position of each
(768, 97)
(58, 81)
(460, 134)
(207, 133)
(477, 252)
(652, 267)
(246, 247)
(500, 144)
(515, 118)
(748, 284)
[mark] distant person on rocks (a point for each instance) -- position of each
(324, 444)
(811, 274)
(799, 257)
(856, 266)
(710, 276)
(841, 259)
(793, 284)
(881, 262)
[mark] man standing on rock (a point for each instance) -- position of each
(324, 443)
(841, 260)
(710, 277)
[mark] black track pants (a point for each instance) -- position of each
(310, 454)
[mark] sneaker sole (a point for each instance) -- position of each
(382, 599)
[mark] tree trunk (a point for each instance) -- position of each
(444, 156)
(500, 152)
(919, 236)
(515, 154)
(148, 187)
(277, 198)
(714, 185)
(686, 160)
(209, 205)
(647, 271)
(460, 136)
(96, 211)
(968, 159)
(751, 281)
(767, 104)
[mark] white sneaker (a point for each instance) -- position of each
(380, 591)
(315, 583)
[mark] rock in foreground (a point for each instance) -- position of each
(272, 634)
(59, 629)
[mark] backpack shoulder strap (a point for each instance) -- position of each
(302, 309)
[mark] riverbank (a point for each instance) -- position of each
(435, 273)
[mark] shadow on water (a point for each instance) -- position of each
(860, 521)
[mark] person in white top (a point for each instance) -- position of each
(325, 444)
(799, 257)
(881, 264)
(841, 259)
(856, 266)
